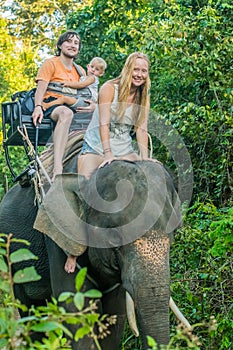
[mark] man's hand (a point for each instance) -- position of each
(87, 109)
(37, 115)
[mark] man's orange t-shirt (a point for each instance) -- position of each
(53, 70)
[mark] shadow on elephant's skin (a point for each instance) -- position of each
(125, 216)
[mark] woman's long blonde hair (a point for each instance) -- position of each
(124, 81)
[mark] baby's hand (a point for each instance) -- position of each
(66, 83)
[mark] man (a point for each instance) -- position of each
(59, 69)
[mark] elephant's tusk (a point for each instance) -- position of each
(179, 314)
(130, 310)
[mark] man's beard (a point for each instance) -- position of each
(69, 55)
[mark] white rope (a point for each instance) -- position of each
(151, 145)
(38, 185)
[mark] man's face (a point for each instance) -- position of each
(70, 47)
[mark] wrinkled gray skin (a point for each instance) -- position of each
(140, 267)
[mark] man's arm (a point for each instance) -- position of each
(37, 114)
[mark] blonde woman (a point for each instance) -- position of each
(123, 103)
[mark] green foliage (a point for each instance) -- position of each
(38, 22)
(18, 160)
(190, 45)
(201, 269)
(16, 332)
(221, 233)
(17, 63)
(110, 29)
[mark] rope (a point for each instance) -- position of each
(38, 184)
(26, 138)
(151, 145)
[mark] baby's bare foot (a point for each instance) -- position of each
(70, 264)
(44, 106)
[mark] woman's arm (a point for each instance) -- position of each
(142, 135)
(142, 139)
(106, 95)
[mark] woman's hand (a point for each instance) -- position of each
(108, 159)
(153, 160)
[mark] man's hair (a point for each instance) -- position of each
(66, 36)
(101, 63)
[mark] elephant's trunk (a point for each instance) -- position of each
(146, 277)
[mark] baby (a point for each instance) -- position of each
(95, 69)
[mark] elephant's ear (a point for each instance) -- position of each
(59, 215)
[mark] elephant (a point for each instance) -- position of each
(120, 223)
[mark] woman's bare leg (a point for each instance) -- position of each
(131, 156)
(87, 163)
(63, 117)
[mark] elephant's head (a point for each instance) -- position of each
(131, 208)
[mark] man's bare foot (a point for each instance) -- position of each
(70, 264)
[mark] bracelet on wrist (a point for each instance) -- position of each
(39, 106)
(107, 150)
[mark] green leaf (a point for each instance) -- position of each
(64, 296)
(81, 332)
(80, 278)
(2, 251)
(151, 342)
(22, 255)
(18, 240)
(46, 326)
(73, 320)
(93, 293)
(28, 274)
(92, 318)
(3, 325)
(5, 286)
(3, 343)
(27, 319)
(3, 265)
(49, 326)
(79, 300)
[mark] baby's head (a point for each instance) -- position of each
(96, 67)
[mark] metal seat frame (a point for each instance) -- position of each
(13, 121)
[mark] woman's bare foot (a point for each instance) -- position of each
(70, 264)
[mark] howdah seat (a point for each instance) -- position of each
(14, 122)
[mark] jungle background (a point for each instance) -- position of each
(190, 45)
